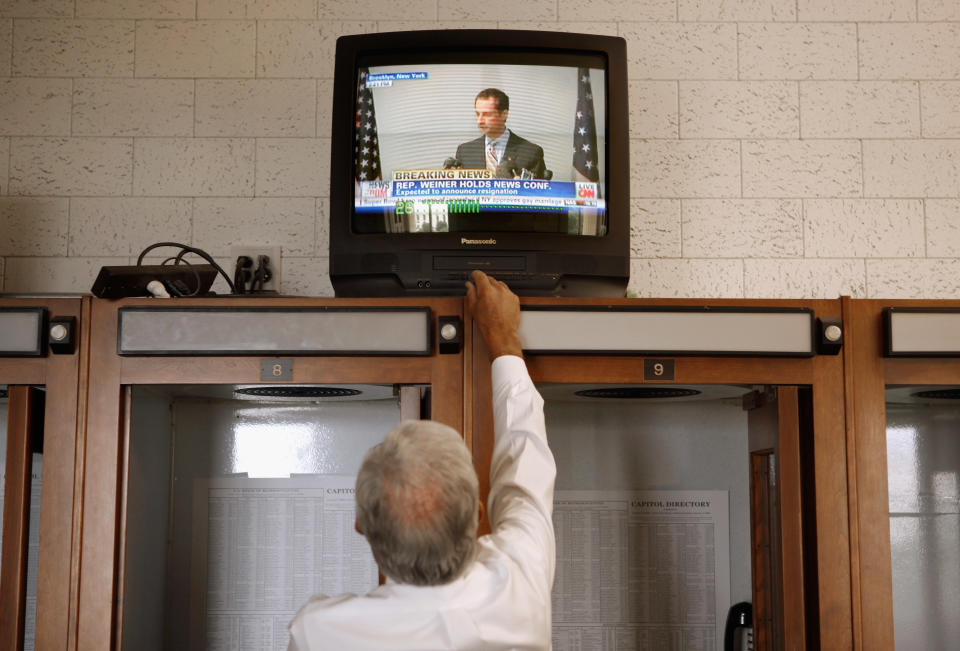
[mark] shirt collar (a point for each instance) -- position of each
(499, 141)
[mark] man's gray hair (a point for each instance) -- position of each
(417, 503)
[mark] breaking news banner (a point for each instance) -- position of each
(477, 184)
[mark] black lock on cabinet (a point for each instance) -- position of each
(62, 335)
(449, 335)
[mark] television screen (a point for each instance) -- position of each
(501, 150)
(454, 147)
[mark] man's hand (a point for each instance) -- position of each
(497, 312)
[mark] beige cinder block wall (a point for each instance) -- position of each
(779, 148)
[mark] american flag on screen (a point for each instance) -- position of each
(366, 145)
(585, 132)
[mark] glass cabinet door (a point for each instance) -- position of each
(240, 506)
(663, 528)
(220, 495)
(923, 471)
(701, 493)
(903, 385)
(39, 380)
(21, 460)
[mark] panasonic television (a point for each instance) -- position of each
(499, 150)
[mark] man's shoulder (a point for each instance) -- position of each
(519, 142)
(319, 605)
(476, 142)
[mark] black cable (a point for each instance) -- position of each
(196, 274)
(189, 249)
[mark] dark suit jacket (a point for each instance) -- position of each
(519, 154)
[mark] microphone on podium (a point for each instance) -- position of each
(507, 169)
(452, 163)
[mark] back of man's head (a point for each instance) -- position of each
(417, 503)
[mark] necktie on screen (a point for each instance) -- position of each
(492, 159)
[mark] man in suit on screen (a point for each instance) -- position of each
(498, 148)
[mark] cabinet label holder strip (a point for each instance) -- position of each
(273, 331)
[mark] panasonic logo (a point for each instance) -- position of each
(464, 240)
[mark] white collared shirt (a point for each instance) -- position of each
(499, 144)
(502, 600)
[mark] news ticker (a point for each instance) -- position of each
(475, 185)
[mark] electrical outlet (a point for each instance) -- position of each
(254, 252)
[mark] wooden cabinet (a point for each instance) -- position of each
(201, 352)
(144, 413)
(789, 550)
(40, 408)
(904, 467)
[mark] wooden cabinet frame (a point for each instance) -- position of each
(868, 374)
(106, 425)
(84, 486)
(823, 373)
(64, 377)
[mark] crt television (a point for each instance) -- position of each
(499, 150)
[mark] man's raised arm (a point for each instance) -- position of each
(522, 469)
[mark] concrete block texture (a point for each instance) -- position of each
(801, 168)
(681, 50)
(860, 109)
(71, 166)
(940, 109)
(864, 228)
(934, 10)
(778, 148)
(33, 226)
(301, 49)
(943, 228)
(259, 9)
(219, 224)
(322, 212)
(117, 226)
(4, 164)
(605, 28)
(133, 107)
(649, 10)
(804, 278)
(927, 278)
(684, 168)
(739, 109)
(6, 46)
(672, 278)
(306, 276)
(797, 51)
(653, 109)
(293, 167)
(410, 10)
(742, 228)
(545, 10)
(35, 106)
(256, 107)
(53, 274)
(911, 168)
(655, 228)
(136, 9)
(194, 167)
(910, 50)
(737, 10)
(36, 8)
(73, 48)
(857, 10)
(196, 48)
